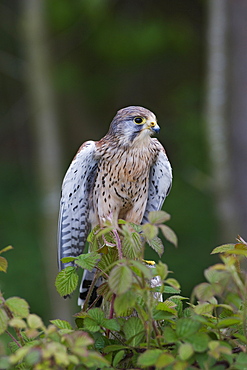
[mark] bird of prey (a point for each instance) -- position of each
(125, 175)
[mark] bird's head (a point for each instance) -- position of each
(134, 124)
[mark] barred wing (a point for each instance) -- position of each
(160, 181)
(73, 224)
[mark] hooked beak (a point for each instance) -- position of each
(154, 127)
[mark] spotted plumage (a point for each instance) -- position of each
(124, 175)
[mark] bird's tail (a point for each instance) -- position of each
(86, 282)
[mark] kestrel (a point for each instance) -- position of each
(125, 175)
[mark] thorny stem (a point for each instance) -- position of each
(13, 338)
(112, 306)
(118, 241)
(10, 316)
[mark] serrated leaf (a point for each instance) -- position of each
(157, 245)
(68, 259)
(149, 231)
(185, 351)
(88, 260)
(133, 330)
(140, 269)
(223, 248)
(199, 341)
(158, 217)
(61, 324)
(161, 269)
(120, 279)
(66, 281)
(3, 321)
(186, 327)
(111, 324)
(17, 323)
(171, 290)
(170, 335)
(91, 325)
(149, 357)
(34, 322)
(204, 308)
(97, 315)
(8, 248)
(124, 303)
(173, 282)
(3, 264)
(18, 306)
(168, 306)
(131, 243)
(225, 323)
(114, 347)
(118, 357)
(169, 234)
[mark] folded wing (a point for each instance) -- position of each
(74, 224)
(160, 181)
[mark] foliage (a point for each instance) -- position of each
(134, 327)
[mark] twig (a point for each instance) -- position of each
(13, 338)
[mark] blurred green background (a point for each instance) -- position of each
(66, 67)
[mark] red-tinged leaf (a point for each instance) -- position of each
(169, 234)
(223, 248)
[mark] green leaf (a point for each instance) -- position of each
(114, 347)
(168, 306)
(173, 282)
(157, 245)
(17, 323)
(34, 322)
(131, 244)
(91, 325)
(88, 260)
(8, 248)
(68, 259)
(18, 306)
(170, 335)
(118, 357)
(141, 268)
(230, 321)
(61, 324)
(199, 341)
(149, 357)
(204, 308)
(149, 231)
(66, 281)
(185, 351)
(186, 327)
(133, 330)
(3, 321)
(124, 303)
(158, 217)
(223, 248)
(171, 290)
(111, 324)
(3, 264)
(97, 315)
(161, 269)
(169, 234)
(120, 279)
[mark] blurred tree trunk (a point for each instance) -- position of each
(46, 140)
(217, 118)
(238, 106)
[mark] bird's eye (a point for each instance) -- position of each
(139, 120)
